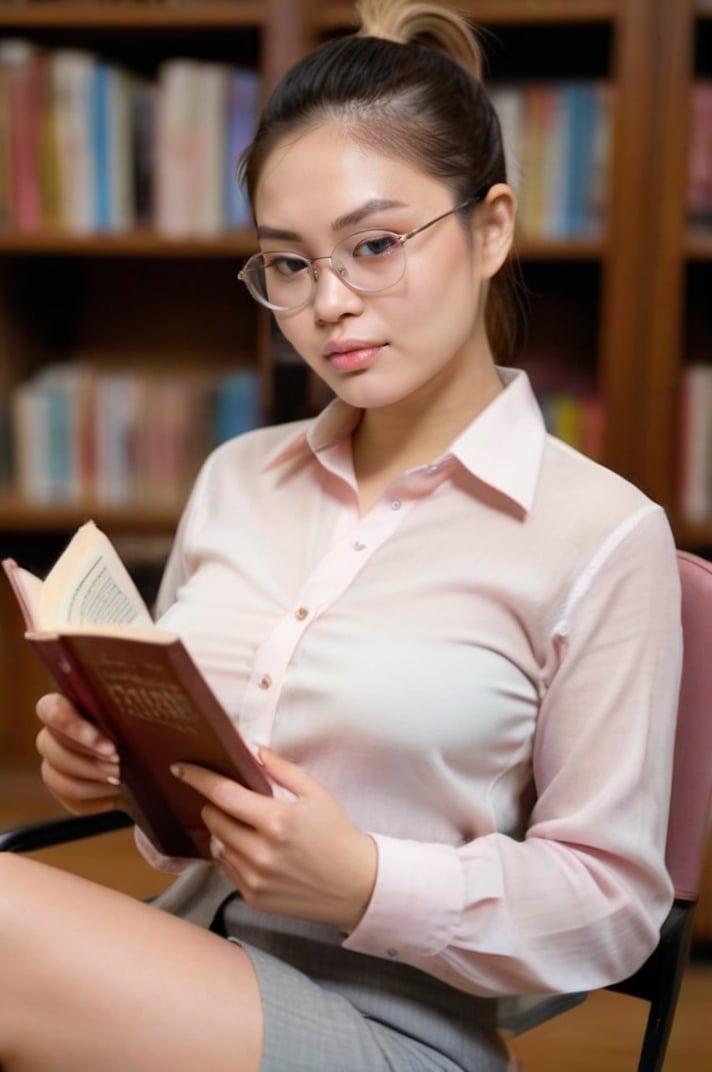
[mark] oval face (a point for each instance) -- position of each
(414, 331)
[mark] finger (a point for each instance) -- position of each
(227, 795)
(58, 714)
(79, 796)
(75, 764)
(290, 775)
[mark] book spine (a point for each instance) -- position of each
(699, 189)
(242, 105)
(695, 443)
(24, 98)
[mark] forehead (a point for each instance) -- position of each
(322, 172)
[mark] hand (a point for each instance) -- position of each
(80, 766)
(301, 858)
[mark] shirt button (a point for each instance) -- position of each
(392, 953)
(265, 681)
(396, 504)
(301, 613)
(356, 546)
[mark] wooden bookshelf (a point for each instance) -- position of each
(674, 250)
(628, 282)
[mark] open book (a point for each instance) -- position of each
(94, 633)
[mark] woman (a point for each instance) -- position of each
(459, 639)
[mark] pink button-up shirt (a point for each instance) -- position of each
(483, 670)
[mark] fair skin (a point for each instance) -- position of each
(92, 961)
(434, 371)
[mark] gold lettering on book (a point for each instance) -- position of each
(145, 692)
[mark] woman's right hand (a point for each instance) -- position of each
(80, 766)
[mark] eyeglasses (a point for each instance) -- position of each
(367, 261)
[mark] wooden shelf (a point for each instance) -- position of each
(132, 15)
(339, 14)
(18, 515)
(150, 244)
(131, 244)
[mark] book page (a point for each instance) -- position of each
(89, 585)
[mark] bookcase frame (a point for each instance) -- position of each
(673, 247)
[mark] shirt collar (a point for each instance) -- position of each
(487, 448)
(504, 444)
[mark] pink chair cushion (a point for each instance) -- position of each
(692, 777)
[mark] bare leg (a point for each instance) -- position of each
(93, 979)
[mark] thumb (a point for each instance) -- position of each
(288, 774)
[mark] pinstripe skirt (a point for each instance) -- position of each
(328, 1009)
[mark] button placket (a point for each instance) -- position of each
(327, 582)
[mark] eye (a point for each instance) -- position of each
(285, 264)
(377, 244)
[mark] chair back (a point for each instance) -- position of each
(692, 771)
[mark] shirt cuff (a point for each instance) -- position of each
(416, 904)
(172, 865)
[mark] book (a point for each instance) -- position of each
(695, 443)
(92, 630)
(699, 189)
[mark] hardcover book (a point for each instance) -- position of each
(92, 630)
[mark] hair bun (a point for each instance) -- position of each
(423, 23)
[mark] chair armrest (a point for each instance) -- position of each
(46, 833)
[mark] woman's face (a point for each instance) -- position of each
(424, 335)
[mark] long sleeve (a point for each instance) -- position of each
(578, 902)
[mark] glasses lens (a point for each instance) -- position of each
(370, 260)
(279, 280)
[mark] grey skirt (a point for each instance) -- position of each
(328, 1009)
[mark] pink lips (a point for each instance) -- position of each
(352, 355)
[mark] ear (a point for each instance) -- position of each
(494, 226)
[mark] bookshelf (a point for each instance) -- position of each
(680, 275)
(173, 302)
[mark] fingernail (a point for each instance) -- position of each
(177, 770)
(102, 747)
(113, 781)
(217, 849)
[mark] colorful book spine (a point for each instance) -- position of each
(89, 147)
(242, 109)
(557, 138)
(122, 436)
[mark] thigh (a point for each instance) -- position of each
(99, 980)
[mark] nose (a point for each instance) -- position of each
(333, 298)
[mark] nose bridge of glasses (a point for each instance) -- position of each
(338, 267)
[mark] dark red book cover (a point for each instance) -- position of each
(152, 701)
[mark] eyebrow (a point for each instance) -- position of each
(349, 219)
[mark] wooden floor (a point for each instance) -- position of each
(602, 1035)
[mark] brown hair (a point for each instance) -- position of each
(408, 84)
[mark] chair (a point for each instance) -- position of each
(658, 980)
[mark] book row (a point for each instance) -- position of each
(557, 139)
(699, 191)
(123, 437)
(88, 146)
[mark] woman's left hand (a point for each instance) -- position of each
(301, 858)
